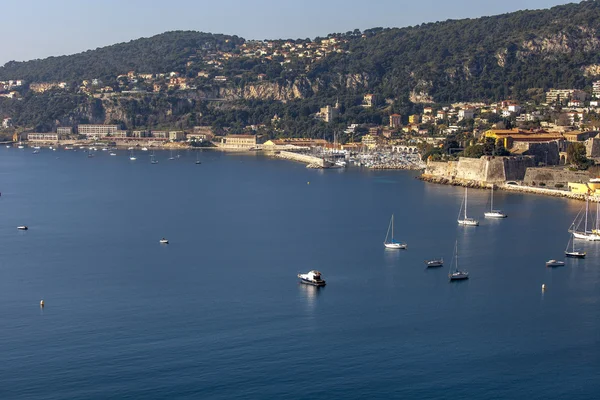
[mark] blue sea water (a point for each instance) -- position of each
(219, 313)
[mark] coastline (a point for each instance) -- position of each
(507, 187)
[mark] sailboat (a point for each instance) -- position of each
(466, 220)
(392, 244)
(456, 274)
(131, 156)
(494, 213)
(573, 253)
(593, 235)
(153, 160)
(198, 157)
(171, 157)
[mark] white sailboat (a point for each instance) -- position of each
(456, 274)
(171, 157)
(466, 221)
(131, 156)
(494, 213)
(198, 157)
(153, 160)
(392, 244)
(590, 235)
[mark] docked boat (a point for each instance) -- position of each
(466, 221)
(164, 241)
(438, 262)
(493, 213)
(392, 243)
(586, 233)
(144, 149)
(23, 227)
(555, 263)
(312, 278)
(455, 273)
(571, 252)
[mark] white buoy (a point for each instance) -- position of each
(41, 303)
(543, 286)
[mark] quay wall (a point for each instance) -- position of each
(484, 170)
(554, 176)
(310, 160)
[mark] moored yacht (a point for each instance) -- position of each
(466, 221)
(22, 227)
(312, 278)
(554, 263)
(493, 213)
(438, 262)
(164, 241)
(456, 274)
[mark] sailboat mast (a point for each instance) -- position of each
(392, 227)
(587, 206)
(466, 203)
(492, 205)
(456, 254)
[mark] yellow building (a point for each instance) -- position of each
(414, 119)
(591, 188)
(369, 141)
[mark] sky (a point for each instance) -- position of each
(41, 28)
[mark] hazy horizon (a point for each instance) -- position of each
(66, 27)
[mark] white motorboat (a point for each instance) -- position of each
(438, 262)
(555, 263)
(466, 221)
(104, 149)
(130, 148)
(23, 227)
(8, 146)
(456, 274)
(36, 147)
(392, 243)
(164, 241)
(144, 149)
(313, 277)
(113, 153)
(21, 147)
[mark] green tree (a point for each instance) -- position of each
(576, 156)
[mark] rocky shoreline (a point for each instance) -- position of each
(506, 187)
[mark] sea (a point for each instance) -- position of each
(219, 312)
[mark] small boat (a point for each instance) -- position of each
(144, 149)
(36, 147)
(198, 158)
(466, 221)
(312, 278)
(171, 156)
(456, 274)
(112, 153)
(555, 263)
(572, 253)
(81, 147)
(8, 146)
(68, 148)
(132, 157)
(152, 159)
(104, 149)
(438, 262)
(36, 152)
(22, 227)
(164, 241)
(392, 243)
(21, 147)
(130, 148)
(494, 213)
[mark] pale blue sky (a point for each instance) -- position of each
(41, 28)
